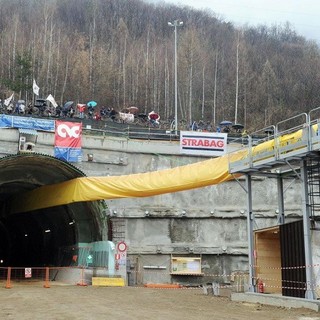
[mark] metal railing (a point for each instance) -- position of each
(297, 135)
(131, 132)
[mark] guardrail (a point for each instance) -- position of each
(295, 136)
(131, 132)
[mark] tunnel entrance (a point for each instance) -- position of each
(46, 237)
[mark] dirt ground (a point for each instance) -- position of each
(87, 302)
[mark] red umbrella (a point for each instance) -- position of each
(153, 115)
(133, 110)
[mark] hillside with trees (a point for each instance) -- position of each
(121, 53)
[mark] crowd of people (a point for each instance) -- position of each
(82, 111)
(87, 111)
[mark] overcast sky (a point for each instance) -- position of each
(303, 15)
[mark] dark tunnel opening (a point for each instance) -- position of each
(46, 237)
(38, 239)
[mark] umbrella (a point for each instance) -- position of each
(153, 116)
(269, 130)
(92, 104)
(21, 102)
(67, 105)
(225, 123)
(238, 126)
(40, 102)
(133, 110)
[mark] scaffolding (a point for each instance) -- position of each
(287, 150)
(313, 172)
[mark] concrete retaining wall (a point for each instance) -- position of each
(208, 222)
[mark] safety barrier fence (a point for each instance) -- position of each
(238, 281)
(294, 136)
(42, 276)
(130, 132)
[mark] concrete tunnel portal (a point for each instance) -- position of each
(45, 237)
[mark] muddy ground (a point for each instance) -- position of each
(87, 302)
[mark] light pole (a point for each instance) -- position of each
(175, 24)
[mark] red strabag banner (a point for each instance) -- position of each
(67, 141)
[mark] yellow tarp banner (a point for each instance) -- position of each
(192, 176)
(196, 175)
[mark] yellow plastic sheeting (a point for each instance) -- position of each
(196, 175)
(270, 144)
(192, 176)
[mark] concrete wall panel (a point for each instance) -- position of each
(215, 217)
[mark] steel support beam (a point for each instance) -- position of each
(250, 221)
(310, 294)
(280, 217)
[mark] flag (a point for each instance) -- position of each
(8, 100)
(50, 98)
(35, 88)
(67, 141)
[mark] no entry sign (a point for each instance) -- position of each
(122, 246)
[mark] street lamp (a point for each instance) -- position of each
(175, 24)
